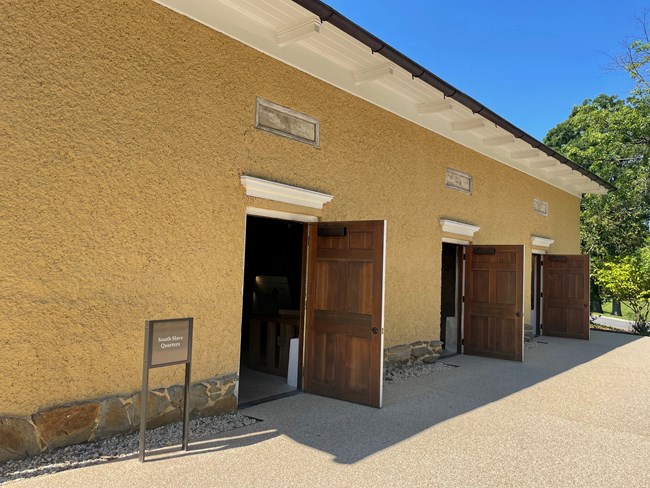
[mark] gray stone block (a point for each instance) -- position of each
(224, 405)
(18, 439)
(158, 404)
(175, 395)
(398, 354)
(420, 351)
(67, 425)
(113, 417)
(198, 396)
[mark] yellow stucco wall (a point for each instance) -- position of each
(124, 128)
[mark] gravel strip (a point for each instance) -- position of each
(408, 372)
(404, 373)
(117, 447)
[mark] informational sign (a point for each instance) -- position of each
(170, 340)
(166, 342)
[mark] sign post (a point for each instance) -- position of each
(166, 342)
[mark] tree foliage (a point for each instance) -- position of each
(635, 58)
(611, 137)
(628, 280)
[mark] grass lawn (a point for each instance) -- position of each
(627, 313)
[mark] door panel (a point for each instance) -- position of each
(359, 289)
(326, 275)
(565, 311)
(505, 287)
(343, 335)
(493, 318)
(357, 351)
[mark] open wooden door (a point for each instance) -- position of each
(565, 296)
(494, 302)
(344, 329)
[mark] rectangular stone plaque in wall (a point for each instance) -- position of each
(540, 207)
(283, 121)
(458, 181)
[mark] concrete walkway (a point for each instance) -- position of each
(576, 414)
(617, 323)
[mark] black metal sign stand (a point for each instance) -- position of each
(166, 343)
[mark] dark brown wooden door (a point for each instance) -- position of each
(565, 288)
(344, 330)
(494, 301)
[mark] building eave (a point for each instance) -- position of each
(316, 39)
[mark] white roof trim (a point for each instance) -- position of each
(451, 240)
(330, 55)
(279, 192)
(276, 214)
(541, 241)
(459, 228)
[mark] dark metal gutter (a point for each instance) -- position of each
(328, 14)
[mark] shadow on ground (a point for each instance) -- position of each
(350, 432)
(353, 432)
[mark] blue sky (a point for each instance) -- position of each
(530, 62)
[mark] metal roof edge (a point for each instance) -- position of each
(328, 14)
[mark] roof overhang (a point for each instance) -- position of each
(314, 38)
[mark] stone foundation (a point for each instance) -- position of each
(64, 425)
(528, 333)
(419, 352)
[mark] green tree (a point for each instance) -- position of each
(610, 137)
(628, 280)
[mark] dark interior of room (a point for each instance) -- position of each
(272, 287)
(447, 287)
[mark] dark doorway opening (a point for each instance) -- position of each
(449, 299)
(535, 295)
(271, 309)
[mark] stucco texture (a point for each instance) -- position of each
(124, 128)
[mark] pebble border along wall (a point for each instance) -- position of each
(72, 424)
